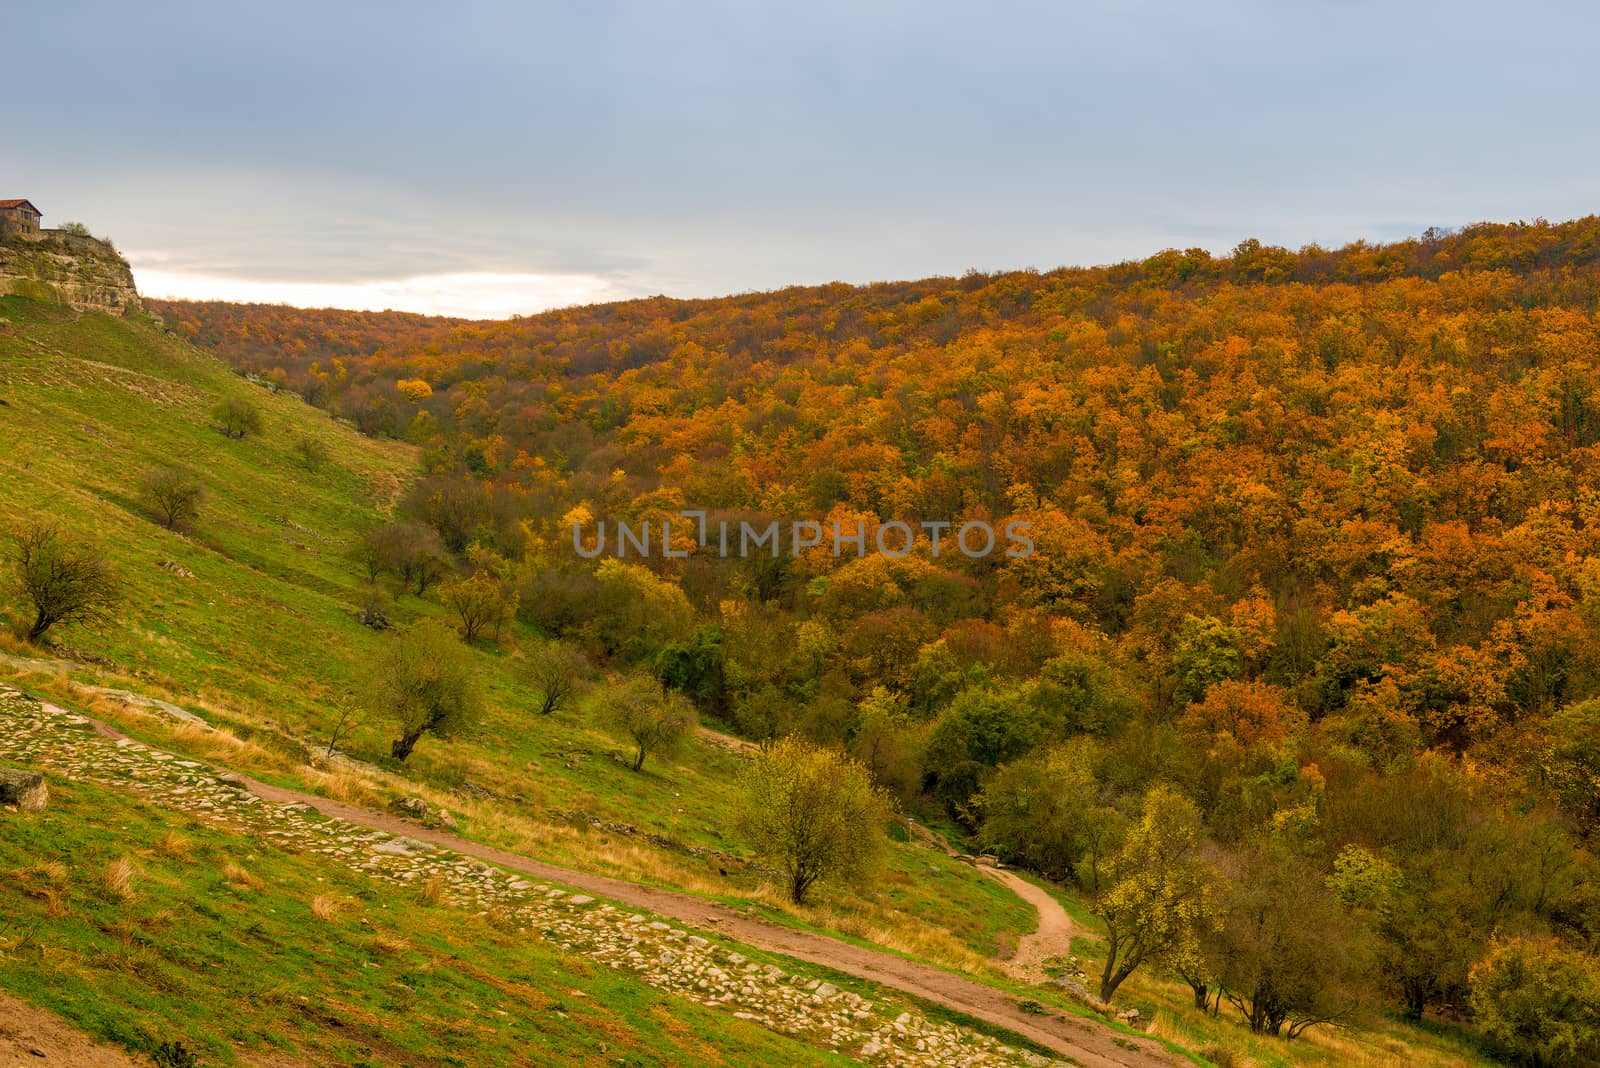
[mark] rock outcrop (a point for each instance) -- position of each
(81, 272)
(25, 790)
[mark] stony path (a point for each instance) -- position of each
(664, 955)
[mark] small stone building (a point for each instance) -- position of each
(19, 217)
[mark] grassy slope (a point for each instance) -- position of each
(96, 402)
(263, 638)
(217, 920)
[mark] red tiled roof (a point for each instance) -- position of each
(19, 204)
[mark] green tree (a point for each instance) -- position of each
(812, 811)
(175, 495)
(634, 613)
(656, 722)
(1082, 694)
(1207, 651)
(237, 417)
(553, 670)
(1287, 955)
(63, 581)
(1045, 812)
(695, 668)
(1570, 761)
(481, 604)
(1162, 897)
(1540, 1001)
(981, 729)
(423, 679)
(887, 744)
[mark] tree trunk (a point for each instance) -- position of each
(1113, 976)
(638, 761)
(797, 889)
(41, 623)
(403, 745)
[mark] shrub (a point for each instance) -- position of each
(482, 604)
(1539, 1000)
(376, 609)
(312, 453)
(64, 582)
(175, 1055)
(424, 681)
(553, 670)
(656, 722)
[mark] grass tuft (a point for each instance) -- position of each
(117, 878)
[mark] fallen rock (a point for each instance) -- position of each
(24, 789)
(415, 807)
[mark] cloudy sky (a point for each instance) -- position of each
(482, 159)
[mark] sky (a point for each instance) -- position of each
(489, 159)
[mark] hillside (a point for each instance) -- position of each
(237, 643)
(1313, 573)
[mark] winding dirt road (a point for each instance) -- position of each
(1053, 936)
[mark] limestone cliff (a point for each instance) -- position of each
(82, 272)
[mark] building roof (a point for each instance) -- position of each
(20, 204)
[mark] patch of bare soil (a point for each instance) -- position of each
(38, 1038)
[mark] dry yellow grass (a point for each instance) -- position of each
(50, 871)
(328, 909)
(117, 878)
(434, 891)
(174, 845)
(240, 876)
(389, 943)
(1377, 1043)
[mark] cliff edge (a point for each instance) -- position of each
(82, 272)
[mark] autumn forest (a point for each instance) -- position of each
(1313, 614)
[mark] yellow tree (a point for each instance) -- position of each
(812, 811)
(1163, 895)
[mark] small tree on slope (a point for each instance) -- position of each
(423, 680)
(812, 811)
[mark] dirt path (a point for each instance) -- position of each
(1053, 936)
(1086, 1042)
(39, 1038)
(725, 741)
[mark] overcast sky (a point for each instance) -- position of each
(483, 159)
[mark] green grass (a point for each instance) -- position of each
(402, 977)
(93, 404)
